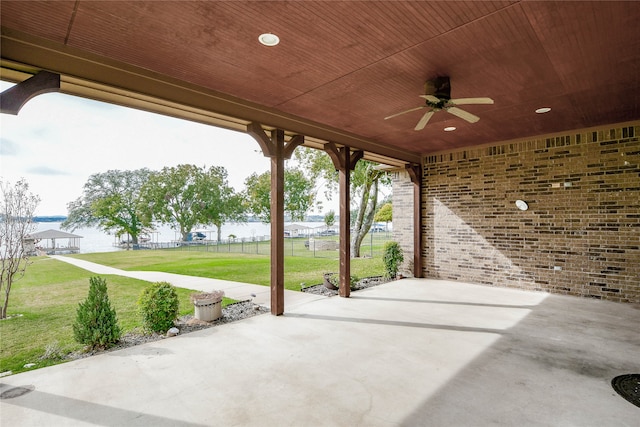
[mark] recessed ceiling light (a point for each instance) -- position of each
(269, 39)
(543, 110)
(449, 128)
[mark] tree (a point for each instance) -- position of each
(186, 195)
(17, 206)
(298, 194)
(330, 218)
(258, 190)
(221, 203)
(366, 180)
(111, 201)
(384, 214)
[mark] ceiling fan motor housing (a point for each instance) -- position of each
(438, 87)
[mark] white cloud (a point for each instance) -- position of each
(57, 141)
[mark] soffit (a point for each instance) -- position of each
(347, 65)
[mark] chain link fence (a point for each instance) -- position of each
(307, 246)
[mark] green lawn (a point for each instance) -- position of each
(245, 268)
(47, 297)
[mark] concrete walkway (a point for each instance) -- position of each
(235, 290)
(412, 352)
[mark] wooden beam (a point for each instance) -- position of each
(277, 223)
(14, 98)
(274, 148)
(344, 161)
(415, 173)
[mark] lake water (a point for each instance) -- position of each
(94, 240)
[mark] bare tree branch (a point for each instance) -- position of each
(17, 206)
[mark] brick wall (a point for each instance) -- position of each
(580, 235)
(403, 218)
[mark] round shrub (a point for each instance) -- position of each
(158, 305)
(96, 323)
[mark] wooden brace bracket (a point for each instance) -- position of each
(268, 144)
(337, 156)
(415, 172)
(14, 98)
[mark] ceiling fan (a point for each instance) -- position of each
(437, 98)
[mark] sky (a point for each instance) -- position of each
(57, 141)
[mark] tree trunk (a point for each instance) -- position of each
(365, 216)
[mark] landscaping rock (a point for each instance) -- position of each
(185, 324)
(367, 282)
(173, 332)
(197, 322)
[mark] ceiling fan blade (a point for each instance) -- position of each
(424, 120)
(404, 112)
(471, 118)
(469, 101)
(430, 98)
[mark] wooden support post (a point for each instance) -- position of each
(275, 148)
(14, 98)
(344, 161)
(415, 173)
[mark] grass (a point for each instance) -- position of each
(47, 297)
(246, 268)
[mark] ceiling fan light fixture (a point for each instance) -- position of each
(449, 128)
(268, 39)
(543, 110)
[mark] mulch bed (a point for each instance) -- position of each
(365, 283)
(185, 324)
(231, 313)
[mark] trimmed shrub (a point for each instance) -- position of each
(96, 323)
(392, 257)
(158, 305)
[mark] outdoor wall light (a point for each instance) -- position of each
(543, 110)
(522, 205)
(268, 39)
(449, 128)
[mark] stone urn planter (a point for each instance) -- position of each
(331, 281)
(207, 305)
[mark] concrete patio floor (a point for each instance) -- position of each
(413, 352)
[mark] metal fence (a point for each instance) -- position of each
(311, 246)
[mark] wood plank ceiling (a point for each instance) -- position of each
(349, 64)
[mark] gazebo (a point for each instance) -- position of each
(296, 230)
(45, 242)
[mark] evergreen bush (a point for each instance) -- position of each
(158, 305)
(392, 257)
(96, 323)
